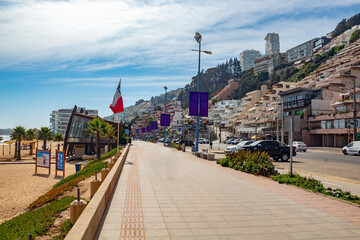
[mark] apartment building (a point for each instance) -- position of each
(262, 64)
(247, 58)
(302, 51)
(59, 119)
(272, 45)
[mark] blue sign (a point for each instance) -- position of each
(127, 131)
(60, 161)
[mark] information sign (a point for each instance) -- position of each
(60, 162)
(43, 159)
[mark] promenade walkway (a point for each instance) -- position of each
(167, 194)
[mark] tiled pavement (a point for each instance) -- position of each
(184, 197)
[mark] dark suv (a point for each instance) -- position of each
(273, 148)
(187, 142)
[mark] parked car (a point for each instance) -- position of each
(203, 141)
(227, 141)
(187, 142)
(300, 146)
(237, 146)
(353, 148)
(273, 148)
(236, 141)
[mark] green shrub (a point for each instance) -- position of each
(355, 36)
(314, 185)
(256, 163)
(36, 222)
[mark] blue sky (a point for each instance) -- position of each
(55, 54)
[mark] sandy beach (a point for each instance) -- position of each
(19, 186)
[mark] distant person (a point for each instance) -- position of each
(210, 144)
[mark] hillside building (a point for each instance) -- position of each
(302, 51)
(272, 45)
(247, 58)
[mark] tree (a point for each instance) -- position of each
(18, 134)
(45, 134)
(110, 134)
(340, 28)
(30, 135)
(148, 121)
(58, 138)
(98, 128)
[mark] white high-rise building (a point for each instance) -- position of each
(272, 45)
(59, 119)
(247, 59)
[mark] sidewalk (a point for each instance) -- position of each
(167, 194)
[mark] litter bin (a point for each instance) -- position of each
(77, 167)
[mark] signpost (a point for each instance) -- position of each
(43, 158)
(60, 162)
(179, 130)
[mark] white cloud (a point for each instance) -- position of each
(38, 34)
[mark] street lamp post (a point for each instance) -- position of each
(354, 112)
(198, 38)
(165, 116)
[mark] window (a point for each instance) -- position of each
(323, 124)
(336, 123)
(341, 123)
(287, 86)
(328, 124)
(299, 97)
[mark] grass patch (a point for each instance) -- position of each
(36, 222)
(69, 182)
(315, 186)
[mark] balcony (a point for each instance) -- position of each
(297, 103)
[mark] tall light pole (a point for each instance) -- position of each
(354, 112)
(198, 38)
(165, 116)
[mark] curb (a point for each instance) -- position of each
(88, 222)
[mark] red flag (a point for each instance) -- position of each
(117, 104)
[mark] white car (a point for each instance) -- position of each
(237, 146)
(352, 148)
(300, 146)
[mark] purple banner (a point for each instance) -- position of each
(193, 104)
(143, 130)
(154, 125)
(137, 130)
(165, 120)
(148, 128)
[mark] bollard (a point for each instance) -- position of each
(29, 236)
(111, 164)
(76, 208)
(104, 172)
(94, 185)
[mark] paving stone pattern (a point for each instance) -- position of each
(184, 197)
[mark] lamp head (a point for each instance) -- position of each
(208, 52)
(165, 87)
(198, 37)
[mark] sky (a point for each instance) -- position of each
(57, 54)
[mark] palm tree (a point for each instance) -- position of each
(1, 138)
(111, 133)
(18, 133)
(45, 134)
(98, 128)
(58, 138)
(30, 135)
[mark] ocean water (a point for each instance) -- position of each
(5, 138)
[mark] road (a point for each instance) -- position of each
(326, 156)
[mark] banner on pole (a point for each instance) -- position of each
(154, 125)
(137, 131)
(148, 128)
(165, 120)
(194, 104)
(143, 130)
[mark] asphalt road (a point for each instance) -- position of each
(325, 162)
(329, 156)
